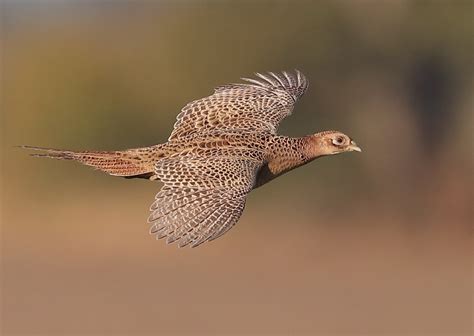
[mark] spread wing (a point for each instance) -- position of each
(258, 106)
(202, 197)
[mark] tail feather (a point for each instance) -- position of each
(51, 153)
(127, 163)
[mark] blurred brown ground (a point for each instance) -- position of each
(377, 243)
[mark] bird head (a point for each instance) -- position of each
(334, 142)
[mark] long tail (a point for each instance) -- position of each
(128, 163)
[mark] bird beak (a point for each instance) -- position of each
(353, 147)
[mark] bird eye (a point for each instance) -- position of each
(338, 141)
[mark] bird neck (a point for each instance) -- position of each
(314, 145)
(287, 154)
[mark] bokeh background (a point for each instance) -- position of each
(377, 243)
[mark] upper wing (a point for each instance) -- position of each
(203, 197)
(259, 106)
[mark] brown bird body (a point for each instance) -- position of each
(221, 148)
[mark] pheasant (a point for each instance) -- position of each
(222, 147)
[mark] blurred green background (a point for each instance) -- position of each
(357, 244)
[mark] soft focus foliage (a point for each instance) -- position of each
(376, 242)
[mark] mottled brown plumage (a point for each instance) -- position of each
(221, 147)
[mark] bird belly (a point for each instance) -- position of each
(264, 175)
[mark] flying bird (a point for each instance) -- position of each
(222, 147)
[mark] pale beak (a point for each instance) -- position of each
(353, 147)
